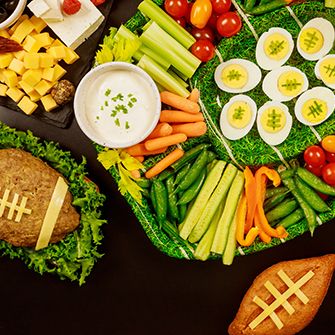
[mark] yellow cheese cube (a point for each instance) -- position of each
(15, 94)
(46, 60)
(19, 54)
(17, 23)
(4, 33)
(43, 87)
(26, 87)
(32, 61)
(57, 52)
(11, 79)
(48, 103)
(17, 66)
(57, 43)
(3, 90)
(32, 77)
(44, 39)
(48, 73)
(38, 23)
(2, 77)
(23, 29)
(27, 106)
(34, 96)
(70, 56)
(59, 72)
(30, 44)
(5, 60)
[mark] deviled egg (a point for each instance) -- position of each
(238, 116)
(315, 106)
(274, 48)
(325, 70)
(237, 76)
(316, 39)
(284, 83)
(274, 122)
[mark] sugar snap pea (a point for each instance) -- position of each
(181, 173)
(292, 219)
(143, 182)
(172, 199)
(249, 5)
(268, 7)
(270, 192)
(283, 209)
(211, 156)
(166, 174)
(161, 198)
(182, 212)
(274, 201)
(289, 173)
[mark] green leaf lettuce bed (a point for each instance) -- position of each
(250, 150)
(73, 257)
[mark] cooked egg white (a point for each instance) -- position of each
(274, 122)
(274, 48)
(325, 70)
(316, 39)
(238, 116)
(315, 106)
(284, 83)
(237, 76)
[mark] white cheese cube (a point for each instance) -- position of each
(38, 7)
(54, 14)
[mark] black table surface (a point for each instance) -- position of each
(135, 289)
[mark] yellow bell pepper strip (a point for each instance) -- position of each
(250, 192)
(241, 222)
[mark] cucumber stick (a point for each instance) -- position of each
(221, 234)
(229, 252)
(202, 198)
(213, 203)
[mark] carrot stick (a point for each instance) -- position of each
(164, 163)
(195, 95)
(135, 174)
(140, 150)
(190, 129)
(179, 102)
(140, 158)
(162, 129)
(162, 142)
(175, 116)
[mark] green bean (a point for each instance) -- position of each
(160, 194)
(274, 201)
(172, 199)
(143, 182)
(182, 172)
(189, 156)
(292, 219)
(315, 182)
(270, 192)
(282, 210)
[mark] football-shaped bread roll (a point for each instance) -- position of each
(284, 298)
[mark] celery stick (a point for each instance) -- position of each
(147, 25)
(221, 234)
(175, 76)
(330, 3)
(229, 253)
(155, 56)
(154, 12)
(161, 77)
(202, 198)
(126, 33)
(179, 74)
(213, 203)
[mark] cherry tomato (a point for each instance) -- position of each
(221, 6)
(315, 156)
(176, 8)
(316, 170)
(188, 13)
(203, 34)
(323, 196)
(212, 21)
(330, 157)
(203, 49)
(181, 21)
(328, 143)
(200, 13)
(228, 24)
(328, 174)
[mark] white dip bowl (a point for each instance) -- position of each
(11, 19)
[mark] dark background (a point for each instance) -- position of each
(135, 289)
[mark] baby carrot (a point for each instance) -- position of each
(162, 129)
(194, 96)
(164, 163)
(135, 174)
(140, 150)
(190, 129)
(140, 158)
(175, 116)
(162, 142)
(179, 102)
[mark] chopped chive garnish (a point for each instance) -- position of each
(106, 103)
(127, 125)
(108, 92)
(117, 122)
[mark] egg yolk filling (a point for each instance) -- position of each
(314, 110)
(239, 114)
(273, 120)
(234, 76)
(290, 83)
(276, 46)
(311, 40)
(327, 70)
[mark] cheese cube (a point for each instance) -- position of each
(17, 23)
(59, 72)
(44, 39)
(30, 44)
(57, 52)
(34, 96)
(17, 66)
(32, 61)
(48, 103)
(43, 87)
(19, 55)
(27, 106)
(38, 7)
(15, 94)
(48, 73)
(5, 60)
(32, 77)
(70, 56)
(3, 90)
(2, 77)
(11, 79)
(38, 23)
(23, 30)
(57, 43)
(4, 33)
(26, 87)
(46, 60)
(54, 14)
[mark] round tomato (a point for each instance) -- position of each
(228, 24)
(328, 174)
(316, 170)
(203, 49)
(330, 157)
(176, 8)
(328, 143)
(315, 156)
(203, 34)
(221, 6)
(181, 21)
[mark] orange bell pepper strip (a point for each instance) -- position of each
(250, 192)
(262, 235)
(241, 222)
